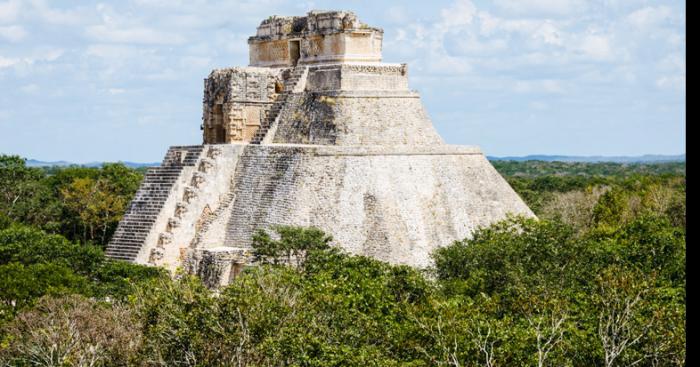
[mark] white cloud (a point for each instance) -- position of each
(549, 34)
(542, 7)
(461, 13)
(397, 15)
(650, 16)
(33, 57)
(596, 47)
(195, 62)
(488, 24)
(6, 62)
(673, 70)
(445, 64)
(13, 33)
(9, 11)
(538, 86)
(673, 62)
(46, 13)
(29, 88)
(134, 35)
(671, 82)
(539, 105)
(107, 51)
(52, 54)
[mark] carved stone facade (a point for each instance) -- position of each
(319, 37)
(236, 100)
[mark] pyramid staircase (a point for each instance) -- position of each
(297, 74)
(148, 202)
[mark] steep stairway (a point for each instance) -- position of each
(289, 85)
(144, 209)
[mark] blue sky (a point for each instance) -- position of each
(122, 80)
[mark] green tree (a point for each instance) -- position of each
(292, 246)
(34, 263)
(16, 181)
(71, 331)
(97, 206)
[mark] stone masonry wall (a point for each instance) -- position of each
(358, 77)
(355, 104)
(235, 102)
(318, 37)
(393, 203)
(347, 118)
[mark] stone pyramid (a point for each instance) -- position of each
(317, 131)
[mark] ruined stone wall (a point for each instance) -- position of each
(357, 77)
(356, 46)
(355, 104)
(273, 53)
(323, 37)
(218, 266)
(347, 118)
(236, 100)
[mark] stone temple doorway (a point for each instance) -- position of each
(219, 129)
(294, 52)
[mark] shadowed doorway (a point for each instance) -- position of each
(294, 52)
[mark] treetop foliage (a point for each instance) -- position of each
(598, 280)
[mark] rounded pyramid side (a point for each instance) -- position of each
(396, 203)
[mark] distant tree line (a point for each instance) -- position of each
(79, 203)
(587, 169)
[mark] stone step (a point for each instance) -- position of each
(126, 255)
(123, 251)
(127, 246)
(134, 228)
(130, 255)
(120, 257)
(126, 243)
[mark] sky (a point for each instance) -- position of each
(122, 80)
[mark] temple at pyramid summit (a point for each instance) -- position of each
(316, 131)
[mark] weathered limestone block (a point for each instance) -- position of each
(198, 178)
(205, 164)
(189, 194)
(156, 255)
(173, 223)
(218, 266)
(213, 152)
(180, 209)
(165, 239)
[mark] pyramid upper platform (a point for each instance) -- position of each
(318, 37)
